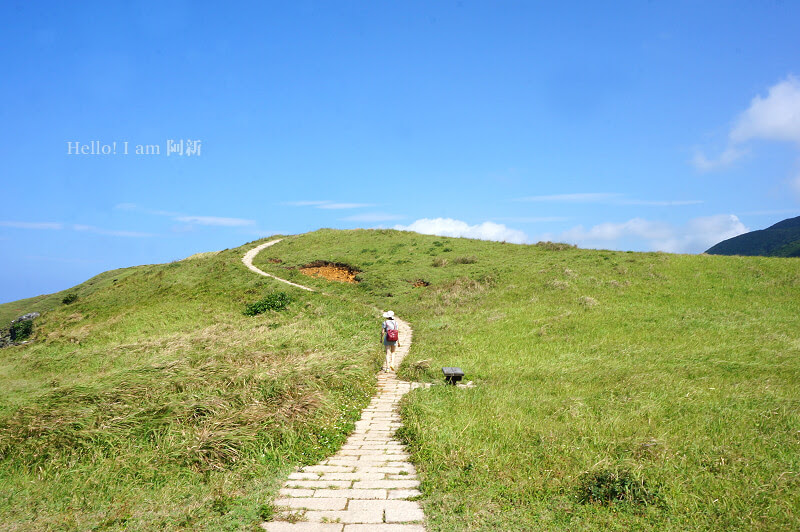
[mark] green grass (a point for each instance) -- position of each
(595, 370)
(613, 390)
(43, 303)
(155, 403)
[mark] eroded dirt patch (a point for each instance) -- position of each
(332, 271)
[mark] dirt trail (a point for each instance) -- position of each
(367, 485)
(248, 261)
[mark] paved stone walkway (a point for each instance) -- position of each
(369, 485)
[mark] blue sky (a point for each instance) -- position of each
(624, 125)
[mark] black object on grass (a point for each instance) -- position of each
(452, 375)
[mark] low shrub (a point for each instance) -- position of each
(21, 330)
(610, 485)
(277, 301)
(266, 511)
(70, 298)
(472, 259)
(439, 262)
(555, 246)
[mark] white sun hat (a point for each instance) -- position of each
(388, 314)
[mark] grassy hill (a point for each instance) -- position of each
(667, 383)
(614, 390)
(779, 240)
(154, 403)
(43, 303)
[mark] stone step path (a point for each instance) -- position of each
(369, 485)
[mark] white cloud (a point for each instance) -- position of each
(33, 225)
(457, 228)
(726, 158)
(373, 217)
(614, 231)
(702, 233)
(215, 220)
(774, 117)
(695, 236)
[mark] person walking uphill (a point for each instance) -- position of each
(390, 338)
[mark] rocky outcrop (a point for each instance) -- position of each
(26, 317)
(17, 333)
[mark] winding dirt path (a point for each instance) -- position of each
(368, 484)
(248, 261)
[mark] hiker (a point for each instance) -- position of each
(389, 330)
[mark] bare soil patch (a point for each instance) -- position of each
(332, 271)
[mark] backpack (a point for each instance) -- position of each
(391, 334)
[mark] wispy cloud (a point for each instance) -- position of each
(32, 225)
(727, 158)
(695, 236)
(110, 232)
(74, 227)
(458, 228)
(373, 217)
(218, 221)
(215, 220)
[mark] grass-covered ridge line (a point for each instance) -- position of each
(43, 303)
(597, 371)
(155, 403)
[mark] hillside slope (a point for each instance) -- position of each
(43, 303)
(154, 403)
(779, 240)
(615, 390)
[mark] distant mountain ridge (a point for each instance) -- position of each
(779, 240)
